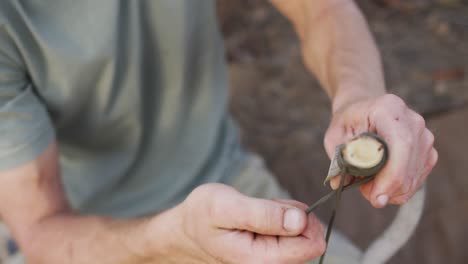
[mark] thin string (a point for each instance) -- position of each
(327, 197)
(333, 215)
(333, 193)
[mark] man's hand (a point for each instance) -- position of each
(338, 47)
(412, 155)
(214, 224)
(217, 224)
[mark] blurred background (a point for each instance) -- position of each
(283, 113)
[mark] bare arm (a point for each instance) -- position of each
(202, 229)
(338, 48)
(32, 203)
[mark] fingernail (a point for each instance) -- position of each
(292, 221)
(335, 183)
(382, 200)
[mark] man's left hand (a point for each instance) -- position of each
(412, 154)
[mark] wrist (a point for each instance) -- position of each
(347, 95)
(163, 235)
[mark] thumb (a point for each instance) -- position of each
(261, 216)
(334, 136)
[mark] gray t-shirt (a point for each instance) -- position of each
(135, 92)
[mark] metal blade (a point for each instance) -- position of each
(334, 170)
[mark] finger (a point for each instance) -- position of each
(312, 221)
(366, 190)
(233, 246)
(315, 229)
(247, 247)
(393, 179)
(300, 249)
(426, 159)
(432, 161)
(335, 182)
(430, 164)
(293, 203)
(310, 218)
(261, 216)
(334, 136)
(312, 244)
(273, 249)
(416, 122)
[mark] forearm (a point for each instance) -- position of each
(338, 47)
(33, 205)
(68, 238)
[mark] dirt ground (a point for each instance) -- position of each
(283, 113)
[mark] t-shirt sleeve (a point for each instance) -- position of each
(25, 127)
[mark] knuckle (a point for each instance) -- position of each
(393, 100)
(203, 190)
(196, 193)
(402, 199)
(327, 140)
(267, 220)
(194, 199)
(430, 138)
(406, 189)
(197, 204)
(249, 223)
(215, 209)
(419, 121)
(272, 218)
(378, 111)
(315, 251)
(320, 248)
(320, 226)
(398, 183)
(306, 252)
(204, 199)
(405, 193)
(436, 158)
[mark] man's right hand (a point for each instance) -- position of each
(217, 224)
